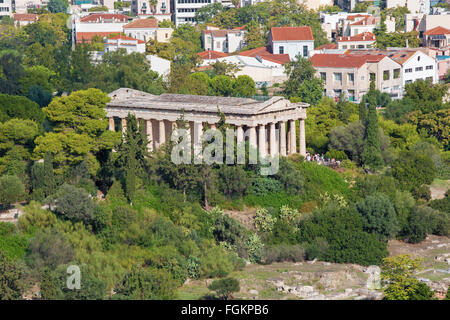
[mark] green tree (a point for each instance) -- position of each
(225, 287)
(12, 276)
(19, 107)
(378, 216)
(11, 190)
(222, 85)
(399, 273)
(244, 86)
(371, 153)
(56, 6)
(132, 154)
(302, 82)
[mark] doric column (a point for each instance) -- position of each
(239, 134)
(301, 137)
(198, 128)
(273, 141)
(292, 141)
(149, 132)
(124, 125)
(283, 138)
(262, 140)
(111, 124)
(252, 137)
(162, 132)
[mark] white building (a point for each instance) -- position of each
(159, 65)
(425, 22)
(97, 24)
(122, 42)
(224, 40)
(161, 10)
(22, 19)
(291, 40)
(146, 29)
(184, 10)
(360, 41)
(414, 6)
(6, 8)
(415, 64)
(358, 24)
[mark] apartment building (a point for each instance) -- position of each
(6, 8)
(224, 40)
(352, 75)
(147, 29)
(184, 10)
(359, 41)
(122, 42)
(438, 39)
(161, 10)
(292, 41)
(414, 6)
(415, 63)
(97, 24)
(358, 24)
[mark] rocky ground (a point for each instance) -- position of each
(318, 280)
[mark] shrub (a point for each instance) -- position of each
(283, 252)
(378, 216)
(316, 249)
(35, 217)
(74, 204)
(264, 220)
(11, 190)
(415, 230)
(336, 154)
(255, 248)
(422, 193)
(289, 215)
(225, 287)
(264, 185)
(12, 278)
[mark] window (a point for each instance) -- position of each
(351, 77)
(419, 69)
(408, 70)
(323, 76)
(429, 67)
(372, 76)
(305, 51)
(338, 77)
(386, 75)
(360, 46)
(408, 81)
(344, 47)
(396, 73)
(352, 46)
(281, 50)
(429, 78)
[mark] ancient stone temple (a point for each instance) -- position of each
(257, 121)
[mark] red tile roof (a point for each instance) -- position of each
(122, 37)
(352, 17)
(437, 31)
(87, 36)
(291, 33)
(211, 54)
(328, 60)
(366, 21)
(398, 55)
(264, 53)
(99, 17)
(26, 17)
(142, 23)
(327, 46)
(240, 28)
(365, 36)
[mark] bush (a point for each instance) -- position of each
(283, 252)
(422, 193)
(74, 204)
(225, 287)
(255, 248)
(11, 190)
(264, 185)
(12, 278)
(317, 249)
(378, 216)
(264, 220)
(336, 154)
(416, 230)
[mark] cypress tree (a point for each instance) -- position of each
(132, 154)
(371, 154)
(49, 175)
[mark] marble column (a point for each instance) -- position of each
(198, 128)
(252, 137)
(239, 134)
(292, 141)
(273, 141)
(262, 140)
(124, 125)
(283, 138)
(301, 137)
(111, 124)
(162, 133)
(149, 132)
